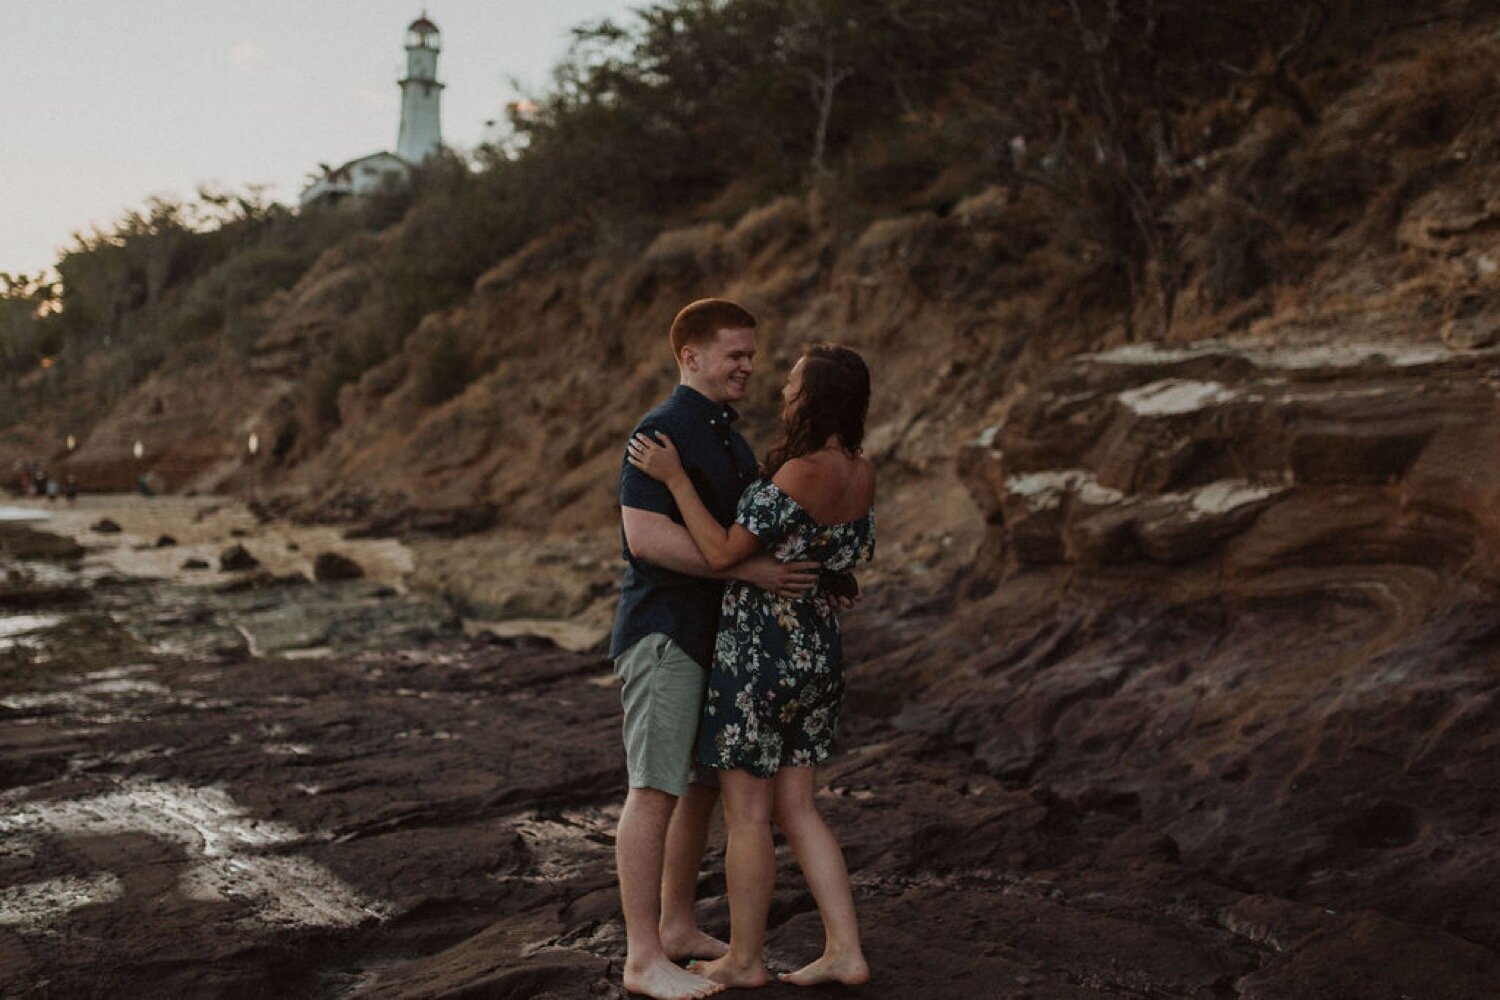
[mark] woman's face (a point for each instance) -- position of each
(792, 391)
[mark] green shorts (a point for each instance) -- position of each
(663, 700)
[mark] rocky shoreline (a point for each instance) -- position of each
(1211, 714)
(436, 821)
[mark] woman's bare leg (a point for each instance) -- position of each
(750, 870)
(827, 877)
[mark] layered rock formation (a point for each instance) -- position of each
(1268, 457)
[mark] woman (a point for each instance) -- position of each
(777, 680)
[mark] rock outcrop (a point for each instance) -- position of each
(1261, 456)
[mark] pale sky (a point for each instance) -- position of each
(105, 102)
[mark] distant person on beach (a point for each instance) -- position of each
(663, 644)
(70, 489)
(777, 681)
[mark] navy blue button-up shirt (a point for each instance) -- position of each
(720, 465)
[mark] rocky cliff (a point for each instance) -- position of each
(514, 401)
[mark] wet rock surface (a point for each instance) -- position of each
(1086, 800)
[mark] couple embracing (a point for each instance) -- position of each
(727, 643)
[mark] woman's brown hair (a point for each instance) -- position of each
(833, 402)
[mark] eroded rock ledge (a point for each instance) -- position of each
(1266, 457)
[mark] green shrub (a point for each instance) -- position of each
(447, 369)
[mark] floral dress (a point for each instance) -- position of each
(778, 672)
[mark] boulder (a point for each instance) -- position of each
(331, 566)
(237, 558)
(1471, 332)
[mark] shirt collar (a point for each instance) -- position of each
(699, 403)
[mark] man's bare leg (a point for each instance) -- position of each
(687, 837)
(822, 864)
(639, 846)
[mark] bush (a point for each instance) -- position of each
(446, 370)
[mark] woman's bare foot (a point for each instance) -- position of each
(733, 974)
(664, 981)
(693, 943)
(851, 970)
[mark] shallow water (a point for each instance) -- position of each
(12, 626)
(231, 856)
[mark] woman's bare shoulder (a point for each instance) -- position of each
(827, 479)
(803, 474)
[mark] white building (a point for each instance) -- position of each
(420, 134)
(363, 176)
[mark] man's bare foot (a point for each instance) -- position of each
(664, 981)
(849, 970)
(693, 943)
(732, 974)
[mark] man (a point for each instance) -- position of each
(663, 646)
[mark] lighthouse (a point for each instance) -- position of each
(420, 135)
(421, 130)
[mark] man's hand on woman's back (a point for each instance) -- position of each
(842, 589)
(790, 579)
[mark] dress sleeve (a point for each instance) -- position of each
(764, 511)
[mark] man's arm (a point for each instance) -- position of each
(661, 541)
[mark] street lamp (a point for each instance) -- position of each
(252, 445)
(139, 451)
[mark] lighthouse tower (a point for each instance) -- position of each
(421, 120)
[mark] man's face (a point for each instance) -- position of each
(720, 369)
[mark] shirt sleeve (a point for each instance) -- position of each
(640, 491)
(763, 512)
